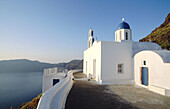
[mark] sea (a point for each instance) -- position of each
(19, 87)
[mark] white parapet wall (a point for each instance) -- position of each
(160, 90)
(55, 97)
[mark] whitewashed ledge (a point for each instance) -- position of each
(55, 97)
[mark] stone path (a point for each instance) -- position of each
(140, 97)
(89, 95)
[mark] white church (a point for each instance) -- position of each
(124, 61)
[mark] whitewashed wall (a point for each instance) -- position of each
(159, 72)
(114, 53)
(123, 35)
(93, 52)
(55, 97)
(108, 55)
(49, 75)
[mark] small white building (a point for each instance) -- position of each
(126, 62)
(51, 77)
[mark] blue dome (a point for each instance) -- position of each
(123, 25)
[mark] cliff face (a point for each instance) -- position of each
(161, 35)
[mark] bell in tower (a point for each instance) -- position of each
(91, 38)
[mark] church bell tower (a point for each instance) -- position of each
(91, 38)
(123, 32)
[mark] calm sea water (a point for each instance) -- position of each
(16, 88)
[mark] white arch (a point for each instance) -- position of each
(158, 70)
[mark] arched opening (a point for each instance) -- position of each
(126, 35)
(91, 33)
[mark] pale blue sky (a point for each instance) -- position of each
(57, 30)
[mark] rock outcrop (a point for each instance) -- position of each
(161, 35)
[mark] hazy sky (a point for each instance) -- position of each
(57, 30)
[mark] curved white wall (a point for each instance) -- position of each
(158, 71)
(55, 97)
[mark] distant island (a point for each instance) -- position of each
(25, 65)
(161, 35)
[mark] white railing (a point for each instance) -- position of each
(50, 71)
(56, 96)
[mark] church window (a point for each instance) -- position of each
(144, 62)
(91, 33)
(120, 68)
(126, 35)
(55, 81)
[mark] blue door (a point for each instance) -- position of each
(145, 76)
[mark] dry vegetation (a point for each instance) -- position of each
(160, 35)
(30, 105)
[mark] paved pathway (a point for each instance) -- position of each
(89, 95)
(140, 97)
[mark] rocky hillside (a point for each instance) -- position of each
(74, 64)
(161, 35)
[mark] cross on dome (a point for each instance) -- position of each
(123, 19)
